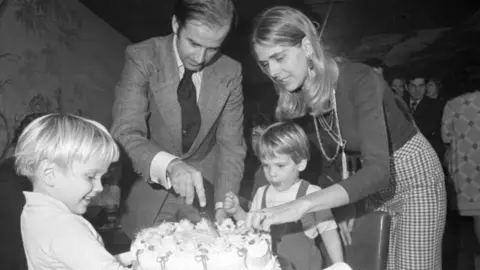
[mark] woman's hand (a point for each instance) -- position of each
(288, 212)
(346, 215)
(346, 227)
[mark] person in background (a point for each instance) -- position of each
(355, 113)
(400, 88)
(64, 157)
(12, 201)
(427, 113)
(283, 149)
(434, 87)
(461, 134)
(178, 113)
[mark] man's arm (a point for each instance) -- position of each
(231, 144)
(130, 111)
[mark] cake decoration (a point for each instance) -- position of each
(187, 246)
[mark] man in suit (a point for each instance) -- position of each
(178, 113)
(426, 112)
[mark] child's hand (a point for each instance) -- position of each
(231, 204)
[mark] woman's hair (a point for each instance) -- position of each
(283, 138)
(286, 26)
(62, 139)
(438, 83)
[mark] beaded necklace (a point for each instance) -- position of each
(332, 127)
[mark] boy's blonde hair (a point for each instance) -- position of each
(283, 138)
(62, 139)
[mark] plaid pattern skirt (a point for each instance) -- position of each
(416, 200)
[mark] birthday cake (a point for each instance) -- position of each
(187, 246)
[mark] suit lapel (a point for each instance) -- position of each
(163, 84)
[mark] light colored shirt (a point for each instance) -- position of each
(56, 238)
(158, 168)
(323, 219)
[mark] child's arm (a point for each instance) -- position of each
(332, 242)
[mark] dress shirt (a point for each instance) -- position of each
(56, 238)
(158, 168)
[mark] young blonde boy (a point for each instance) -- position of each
(64, 156)
(283, 149)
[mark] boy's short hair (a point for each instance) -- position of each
(283, 138)
(62, 139)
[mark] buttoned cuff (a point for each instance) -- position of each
(158, 168)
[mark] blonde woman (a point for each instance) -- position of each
(353, 114)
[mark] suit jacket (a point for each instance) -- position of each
(147, 117)
(428, 117)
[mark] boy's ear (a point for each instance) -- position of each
(48, 171)
(302, 165)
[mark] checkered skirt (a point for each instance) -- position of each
(416, 200)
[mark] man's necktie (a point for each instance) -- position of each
(413, 106)
(191, 120)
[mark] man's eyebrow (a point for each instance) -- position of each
(198, 44)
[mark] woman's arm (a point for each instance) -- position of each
(367, 97)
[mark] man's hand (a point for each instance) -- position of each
(220, 215)
(186, 181)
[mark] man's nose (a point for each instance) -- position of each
(200, 56)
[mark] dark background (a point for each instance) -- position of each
(352, 26)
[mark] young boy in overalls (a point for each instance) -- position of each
(283, 149)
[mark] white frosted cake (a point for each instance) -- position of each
(185, 246)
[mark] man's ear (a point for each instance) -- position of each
(48, 172)
(302, 165)
(175, 25)
(307, 46)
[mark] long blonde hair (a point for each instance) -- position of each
(286, 26)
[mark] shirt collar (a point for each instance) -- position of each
(175, 51)
(39, 199)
